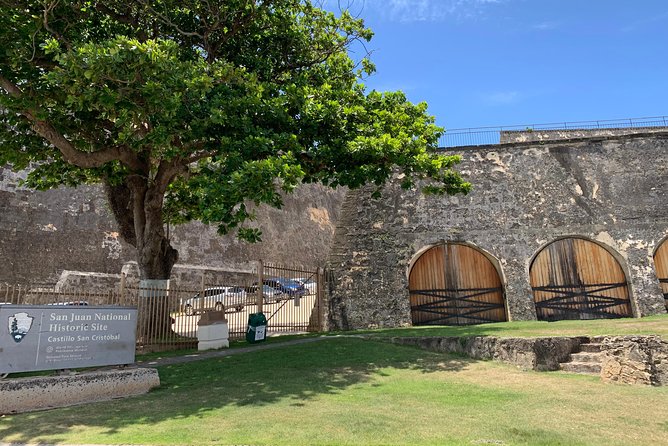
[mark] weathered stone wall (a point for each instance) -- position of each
(44, 233)
(635, 360)
(541, 354)
(526, 195)
(511, 136)
(626, 359)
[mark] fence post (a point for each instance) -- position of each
(260, 283)
(202, 295)
(122, 289)
(320, 296)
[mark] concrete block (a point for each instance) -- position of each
(48, 392)
(213, 336)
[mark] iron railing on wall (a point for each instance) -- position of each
(168, 318)
(492, 135)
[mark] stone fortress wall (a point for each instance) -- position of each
(43, 234)
(611, 190)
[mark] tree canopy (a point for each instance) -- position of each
(196, 110)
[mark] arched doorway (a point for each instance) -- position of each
(574, 278)
(455, 284)
(661, 264)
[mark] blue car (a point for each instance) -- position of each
(289, 287)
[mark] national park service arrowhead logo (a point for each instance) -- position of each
(19, 326)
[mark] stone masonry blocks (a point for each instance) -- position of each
(610, 190)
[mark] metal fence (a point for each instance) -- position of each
(492, 135)
(168, 317)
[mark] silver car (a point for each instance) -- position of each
(269, 294)
(215, 298)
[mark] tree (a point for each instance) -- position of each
(198, 110)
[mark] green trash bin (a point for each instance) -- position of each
(257, 328)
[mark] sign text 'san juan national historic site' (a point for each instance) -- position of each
(46, 337)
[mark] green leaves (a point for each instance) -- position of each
(221, 105)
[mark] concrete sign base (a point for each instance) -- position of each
(48, 392)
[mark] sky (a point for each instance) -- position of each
(481, 63)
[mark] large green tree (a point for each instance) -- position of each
(199, 109)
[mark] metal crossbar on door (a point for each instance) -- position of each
(582, 300)
(451, 305)
(665, 293)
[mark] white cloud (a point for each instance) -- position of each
(640, 24)
(545, 26)
(418, 10)
(501, 97)
(430, 10)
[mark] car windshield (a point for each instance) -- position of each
(287, 282)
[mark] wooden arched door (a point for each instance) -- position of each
(455, 284)
(574, 278)
(661, 264)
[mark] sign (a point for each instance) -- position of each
(49, 337)
(260, 332)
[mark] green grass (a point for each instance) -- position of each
(651, 325)
(234, 344)
(346, 391)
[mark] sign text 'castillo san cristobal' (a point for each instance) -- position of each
(45, 337)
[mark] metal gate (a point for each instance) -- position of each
(574, 278)
(168, 318)
(661, 264)
(455, 284)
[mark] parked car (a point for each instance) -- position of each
(215, 298)
(269, 294)
(290, 288)
(71, 303)
(308, 283)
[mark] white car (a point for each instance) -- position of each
(215, 298)
(308, 283)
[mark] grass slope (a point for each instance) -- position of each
(652, 325)
(345, 391)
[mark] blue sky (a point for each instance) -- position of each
(520, 62)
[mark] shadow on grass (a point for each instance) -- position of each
(283, 375)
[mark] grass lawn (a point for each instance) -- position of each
(347, 391)
(651, 325)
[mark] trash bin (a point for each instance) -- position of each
(257, 328)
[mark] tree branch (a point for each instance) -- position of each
(48, 10)
(71, 154)
(165, 20)
(167, 171)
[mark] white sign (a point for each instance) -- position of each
(260, 332)
(47, 337)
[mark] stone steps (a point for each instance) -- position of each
(590, 347)
(581, 367)
(587, 361)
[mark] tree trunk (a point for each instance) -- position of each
(137, 208)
